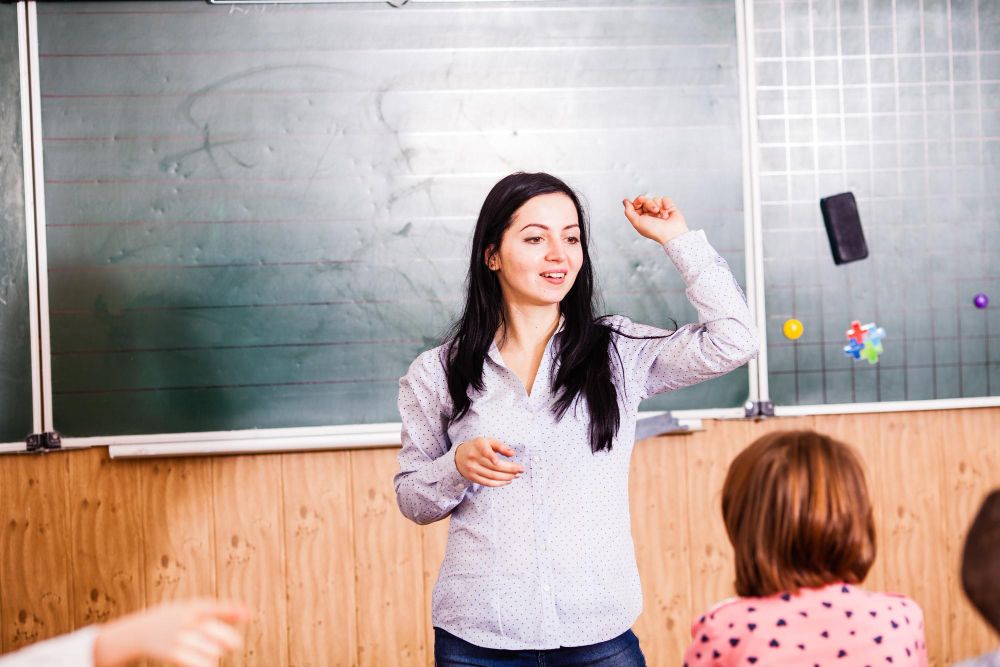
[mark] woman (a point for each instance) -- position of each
(522, 425)
(796, 509)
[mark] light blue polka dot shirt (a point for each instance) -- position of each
(548, 560)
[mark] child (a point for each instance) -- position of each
(796, 509)
(981, 571)
(194, 633)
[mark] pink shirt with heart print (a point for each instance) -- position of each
(839, 624)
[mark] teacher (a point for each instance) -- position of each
(522, 425)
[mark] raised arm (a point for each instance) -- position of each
(724, 338)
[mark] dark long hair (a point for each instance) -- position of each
(586, 346)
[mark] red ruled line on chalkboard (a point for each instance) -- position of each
(254, 265)
(303, 304)
(253, 385)
(340, 177)
(323, 262)
(144, 223)
(306, 304)
(201, 137)
(346, 221)
(101, 96)
(202, 348)
(90, 181)
(361, 132)
(404, 51)
(415, 91)
(367, 221)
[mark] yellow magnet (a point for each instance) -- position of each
(792, 329)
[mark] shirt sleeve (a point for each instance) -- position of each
(72, 650)
(428, 484)
(724, 338)
(709, 648)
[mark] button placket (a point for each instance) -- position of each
(540, 523)
(535, 457)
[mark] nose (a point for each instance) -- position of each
(556, 252)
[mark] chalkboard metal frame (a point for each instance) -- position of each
(27, 164)
(363, 436)
(753, 236)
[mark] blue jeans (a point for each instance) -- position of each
(622, 651)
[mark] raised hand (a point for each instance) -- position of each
(194, 633)
(478, 462)
(656, 218)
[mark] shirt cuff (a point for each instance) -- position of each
(690, 252)
(446, 472)
(76, 648)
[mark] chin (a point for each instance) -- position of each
(551, 297)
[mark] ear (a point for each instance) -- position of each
(492, 258)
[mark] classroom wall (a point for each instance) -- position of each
(313, 542)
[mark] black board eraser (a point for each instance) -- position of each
(843, 226)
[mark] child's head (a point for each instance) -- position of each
(981, 561)
(796, 508)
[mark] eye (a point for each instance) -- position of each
(533, 239)
(572, 239)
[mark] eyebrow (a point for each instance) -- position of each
(537, 224)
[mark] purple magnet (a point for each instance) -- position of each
(981, 301)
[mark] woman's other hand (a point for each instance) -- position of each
(478, 461)
(656, 218)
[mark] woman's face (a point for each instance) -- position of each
(540, 252)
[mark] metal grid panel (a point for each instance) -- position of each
(898, 103)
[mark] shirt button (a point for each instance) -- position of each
(531, 415)
(545, 588)
(535, 458)
(542, 547)
(538, 501)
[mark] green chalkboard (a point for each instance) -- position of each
(15, 337)
(257, 216)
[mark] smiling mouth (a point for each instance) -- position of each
(555, 277)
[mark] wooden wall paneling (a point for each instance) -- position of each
(106, 553)
(863, 432)
(434, 540)
(917, 558)
(178, 525)
(708, 456)
(930, 471)
(36, 589)
(972, 471)
(771, 424)
(319, 543)
(392, 620)
(179, 538)
(250, 552)
(658, 493)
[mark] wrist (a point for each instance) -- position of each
(668, 236)
(115, 644)
(458, 467)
